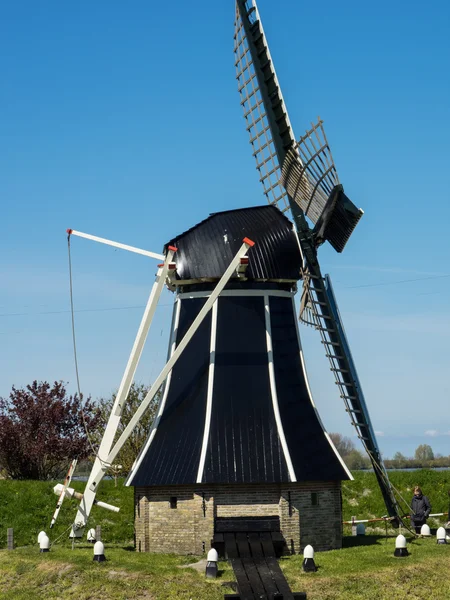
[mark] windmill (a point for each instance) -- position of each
(236, 426)
(300, 177)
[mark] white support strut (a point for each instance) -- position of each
(210, 389)
(62, 493)
(88, 499)
(95, 238)
(99, 470)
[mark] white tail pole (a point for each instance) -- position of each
(71, 493)
(100, 473)
(114, 419)
(62, 494)
(107, 506)
(95, 238)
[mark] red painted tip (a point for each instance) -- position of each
(173, 248)
(69, 231)
(248, 241)
(160, 266)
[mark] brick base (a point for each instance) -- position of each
(180, 519)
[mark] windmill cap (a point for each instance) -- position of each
(441, 533)
(308, 552)
(44, 542)
(400, 541)
(213, 555)
(425, 529)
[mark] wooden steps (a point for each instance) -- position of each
(253, 558)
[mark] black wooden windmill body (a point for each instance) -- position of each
(236, 408)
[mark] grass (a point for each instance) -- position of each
(28, 506)
(364, 569)
(362, 497)
(63, 573)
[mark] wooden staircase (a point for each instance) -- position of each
(253, 558)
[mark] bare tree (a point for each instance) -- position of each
(137, 439)
(344, 445)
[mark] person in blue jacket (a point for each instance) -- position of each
(420, 509)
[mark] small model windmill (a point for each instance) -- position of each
(300, 177)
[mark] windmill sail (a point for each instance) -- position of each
(301, 177)
(267, 121)
(292, 173)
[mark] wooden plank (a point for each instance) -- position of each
(279, 578)
(231, 550)
(254, 578)
(236, 524)
(255, 545)
(267, 544)
(218, 543)
(279, 543)
(10, 538)
(266, 577)
(245, 590)
(243, 545)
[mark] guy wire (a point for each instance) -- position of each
(94, 451)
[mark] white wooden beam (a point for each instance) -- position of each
(95, 238)
(231, 270)
(101, 460)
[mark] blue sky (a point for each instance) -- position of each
(123, 120)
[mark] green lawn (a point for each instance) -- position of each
(364, 569)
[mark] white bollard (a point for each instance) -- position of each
(441, 536)
(41, 535)
(44, 543)
(425, 530)
(211, 564)
(400, 546)
(99, 552)
(308, 564)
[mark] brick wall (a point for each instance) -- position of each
(310, 513)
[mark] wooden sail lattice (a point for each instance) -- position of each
(255, 115)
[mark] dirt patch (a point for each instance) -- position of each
(124, 574)
(53, 567)
(199, 566)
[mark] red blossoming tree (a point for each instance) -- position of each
(42, 430)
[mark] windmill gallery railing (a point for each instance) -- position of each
(301, 177)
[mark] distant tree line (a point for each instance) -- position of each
(424, 457)
(356, 460)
